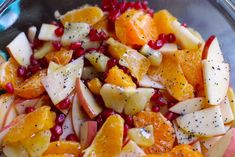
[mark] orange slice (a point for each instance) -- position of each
(62, 57)
(171, 75)
(164, 136)
(34, 122)
(87, 14)
(134, 27)
(108, 141)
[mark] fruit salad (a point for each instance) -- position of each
(115, 80)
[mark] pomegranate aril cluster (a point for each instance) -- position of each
(96, 35)
(9, 87)
(162, 39)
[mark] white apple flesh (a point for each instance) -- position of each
(226, 111)
(146, 81)
(32, 33)
(67, 127)
(131, 149)
(42, 51)
(88, 131)
(47, 33)
(98, 60)
(210, 142)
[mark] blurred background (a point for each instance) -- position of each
(206, 16)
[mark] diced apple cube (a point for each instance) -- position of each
(47, 33)
(98, 60)
(42, 51)
(32, 33)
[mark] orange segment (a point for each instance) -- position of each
(108, 141)
(171, 75)
(95, 85)
(163, 21)
(134, 27)
(63, 147)
(87, 14)
(8, 73)
(179, 151)
(39, 120)
(190, 62)
(164, 136)
(32, 87)
(117, 77)
(62, 57)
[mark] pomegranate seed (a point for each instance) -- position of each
(171, 116)
(171, 104)
(99, 121)
(75, 46)
(34, 68)
(121, 6)
(145, 5)
(57, 130)
(79, 52)
(137, 47)
(29, 109)
(137, 5)
(170, 38)
(156, 108)
(113, 15)
(37, 43)
(57, 45)
(125, 130)
(103, 35)
(125, 69)
(129, 120)
(21, 71)
(105, 74)
(156, 95)
(105, 114)
(60, 119)
(161, 101)
(184, 25)
(151, 43)
(64, 104)
(103, 49)
(159, 43)
(9, 87)
(94, 35)
(54, 138)
(162, 37)
(59, 31)
(33, 61)
(43, 62)
(112, 62)
(72, 137)
(150, 12)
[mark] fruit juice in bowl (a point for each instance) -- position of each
(120, 80)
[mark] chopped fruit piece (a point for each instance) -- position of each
(62, 56)
(210, 142)
(43, 51)
(63, 80)
(10, 115)
(216, 78)
(142, 136)
(188, 106)
(14, 150)
(226, 111)
(63, 147)
(163, 21)
(146, 81)
(132, 149)
(37, 144)
(53, 67)
(109, 138)
(67, 127)
(130, 100)
(117, 77)
(47, 33)
(32, 87)
(171, 75)
(88, 132)
(32, 33)
(231, 98)
(95, 85)
(134, 27)
(164, 136)
(88, 73)
(8, 73)
(39, 120)
(154, 56)
(87, 100)
(98, 60)
(20, 49)
(168, 48)
(206, 123)
(74, 32)
(86, 14)
(190, 62)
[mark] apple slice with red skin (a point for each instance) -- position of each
(78, 115)
(212, 51)
(10, 116)
(88, 131)
(67, 127)
(87, 100)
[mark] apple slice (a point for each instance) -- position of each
(47, 33)
(168, 48)
(182, 136)
(205, 123)
(86, 99)
(131, 149)
(88, 73)
(60, 83)
(15, 150)
(216, 80)
(130, 100)
(188, 106)
(78, 115)
(98, 60)
(87, 43)
(212, 51)
(67, 127)
(197, 146)
(210, 142)
(226, 111)
(53, 67)
(42, 51)
(146, 81)
(32, 33)
(20, 49)
(6, 101)
(185, 37)
(142, 136)
(224, 147)
(10, 115)
(74, 32)
(231, 99)
(87, 133)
